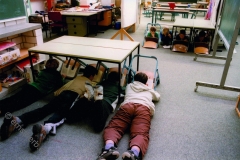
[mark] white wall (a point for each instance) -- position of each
(37, 5)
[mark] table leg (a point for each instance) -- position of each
(138, 57)
(119, 84)
(31, 64)
(153, 16)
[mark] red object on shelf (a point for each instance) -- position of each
(5, 45)
(21, 64)
(172, 5)
(84, 6)
(50, 4)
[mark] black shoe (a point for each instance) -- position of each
(39, 135)
(129, 155)
(8, 127)
(110, 154)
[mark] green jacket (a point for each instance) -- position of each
(48, 81)
(110, 91)
(150, 35)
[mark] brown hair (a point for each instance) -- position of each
(141, 77)
(52, 64)
(153, 29)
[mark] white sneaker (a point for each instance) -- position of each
(89, 91)
(98, 92)
(54, 126)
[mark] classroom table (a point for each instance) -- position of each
(196, 10)
(76, 26)
(176, 5)
(206, 25)
(194, 24)
(173, 11)
(97, 49)
(183, 23)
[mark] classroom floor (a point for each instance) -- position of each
(187, 125)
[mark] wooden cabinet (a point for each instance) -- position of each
(107, 19)
(77, 26)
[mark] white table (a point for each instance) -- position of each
(106, 50)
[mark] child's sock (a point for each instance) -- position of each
(47, 128)
(135, 151)
(109, 145)
(19, 121)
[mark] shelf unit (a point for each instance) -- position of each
(25, 35)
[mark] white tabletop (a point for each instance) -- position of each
(184, 23)
(88, 50)
(203, 24)
(98, 42)
(197, 9)
(76, 13)
(176, 4)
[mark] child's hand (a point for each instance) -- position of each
(153, 35)
(64, 76)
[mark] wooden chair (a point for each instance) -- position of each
(180, 46)
(201, 48)
(56, 21)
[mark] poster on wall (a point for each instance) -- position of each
(128, 12)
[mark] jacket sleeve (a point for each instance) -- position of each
(156, 95)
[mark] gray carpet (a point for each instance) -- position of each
(187, 125)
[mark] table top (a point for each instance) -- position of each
(203, 24)
(184, 23)
(171, 10)
(176, 4)
(98, 42)
(76, 13)
(202, 3)
(197, 9)
(177, 8)
(85, 50)
(194, 23)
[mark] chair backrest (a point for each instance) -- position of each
(201, 44)
(154, 39)
(55, 16)
(180, 42)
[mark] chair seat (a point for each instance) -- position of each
(201, 50)
(150, 44)
(179, 48)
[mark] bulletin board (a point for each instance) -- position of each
(11, 9)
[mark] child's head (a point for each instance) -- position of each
(153, 29)
(89, 71)
(141, 77)
(113, 76)
(202, 34)
(182, 34)
(52, 64)
(165, 30)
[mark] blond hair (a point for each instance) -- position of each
(165, 30)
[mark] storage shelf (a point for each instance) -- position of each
(23, 55)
